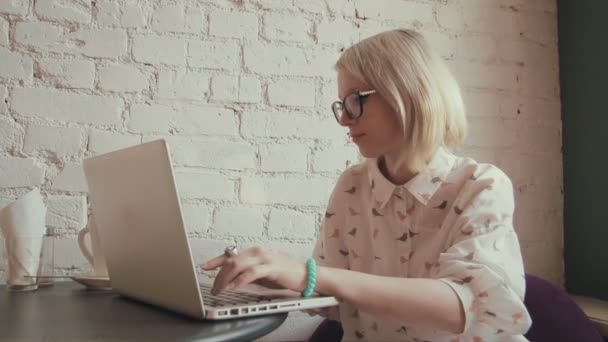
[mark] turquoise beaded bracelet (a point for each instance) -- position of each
(311, 265)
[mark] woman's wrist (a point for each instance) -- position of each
(303, 279)
(324, 283)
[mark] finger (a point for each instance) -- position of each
(231, 269)
(253, 251)
(250, 275)
(214, 263)
(219, 260)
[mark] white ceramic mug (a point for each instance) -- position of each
(94, 255)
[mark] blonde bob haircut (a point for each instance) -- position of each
(412, 78)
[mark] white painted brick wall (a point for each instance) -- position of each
(402, 11)
(41, 36)
(76, 11)
(335, 158)
(14, 7)
(15, 66)
(176, 18)
(133, 15)
(66, 73)
(63, 141)
(286, 60)
(196, 217)
(183, 84)
(3, 99)
(122, 78)
(288, 125)
(67, 212)
(292, 93)
(241, 90)
(286, 223)
(70, 179)
(186, 120)
(10, 132)
(336, 31)
(210, 186)
(284, 158)
(20, 172)
(213, 153)
(233, 24)
(106, 141)
(239, 221)
(4, 26)
(159, 50)
(289, 191)
(279, 27)
(213, 55)
(59, 105)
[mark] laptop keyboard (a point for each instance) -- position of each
(228, 298)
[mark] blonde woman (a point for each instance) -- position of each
(416, 242)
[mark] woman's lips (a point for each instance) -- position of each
(357, 137)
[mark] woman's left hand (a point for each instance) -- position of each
(257, 265)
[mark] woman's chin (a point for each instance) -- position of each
(367, 153)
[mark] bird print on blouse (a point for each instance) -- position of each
(442, 206)
(401, 216)
(375, 212)
(403, 259)
(402, 330)
(359, 334)
(353, 232)
(410, 211)
(437, 225)
(403, 237)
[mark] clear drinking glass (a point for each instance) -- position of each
(28, 262)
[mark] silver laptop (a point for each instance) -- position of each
(142, 234)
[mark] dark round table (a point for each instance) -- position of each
(67, 311)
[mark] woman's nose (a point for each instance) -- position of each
(345, 120)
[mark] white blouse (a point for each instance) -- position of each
(452, 222)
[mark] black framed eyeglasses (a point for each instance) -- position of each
(351, 104)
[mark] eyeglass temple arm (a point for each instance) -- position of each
(367, 92)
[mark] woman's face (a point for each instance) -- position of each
(377, 131)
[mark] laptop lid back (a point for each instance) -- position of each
(140, 226)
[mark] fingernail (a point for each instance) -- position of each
(230, 286)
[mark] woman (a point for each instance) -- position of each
(416, 242)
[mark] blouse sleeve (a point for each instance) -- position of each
(483, 263)
(330, 243)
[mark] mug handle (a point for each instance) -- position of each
(83, 246)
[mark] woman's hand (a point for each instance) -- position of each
(256, 265)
